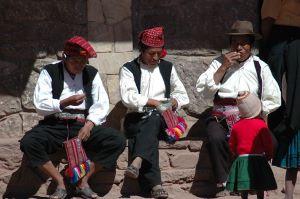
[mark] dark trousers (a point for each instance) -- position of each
(106, 144)
(143, 138)
(219, 150)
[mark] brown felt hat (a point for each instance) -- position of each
(243, 28)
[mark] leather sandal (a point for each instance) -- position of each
(132, 172)
(59, 194)
(86, 192)
(159, 193)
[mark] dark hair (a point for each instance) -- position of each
(142, 47)
(251, 38)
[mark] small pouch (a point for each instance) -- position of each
(176, 126)
(79, 164)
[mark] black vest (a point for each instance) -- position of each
(57, 75)
(165, 69)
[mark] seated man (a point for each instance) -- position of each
(235, 71)
(71, 97)
(144, 83)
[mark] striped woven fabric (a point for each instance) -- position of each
(170, 118)
(79, 164)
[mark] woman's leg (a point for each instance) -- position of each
(290, 181)
(244, 194)
(260, 194)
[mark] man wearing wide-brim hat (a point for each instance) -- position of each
(236, 71)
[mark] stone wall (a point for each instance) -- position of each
(32, 34)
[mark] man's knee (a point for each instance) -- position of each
(216, 139)
(118, 139)
(26, 143)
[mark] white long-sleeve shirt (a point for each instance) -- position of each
(45, 104)
(152, 87)
(241, 77)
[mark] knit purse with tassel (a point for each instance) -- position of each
(176, 126)
(79, 164)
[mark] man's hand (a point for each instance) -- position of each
(229, 59)
(85, 131)
(153, 102)
(174, 104)
(73, 100)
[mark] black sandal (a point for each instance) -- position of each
(86, 192)
(159, 193)
(132, 172)
(59, 194)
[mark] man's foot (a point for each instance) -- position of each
(222, 192)
(59, 193)
(86, 192)
(132, 172)
(159, 193)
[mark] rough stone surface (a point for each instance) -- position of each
(123, 36)
(186, 160)
(113, 89)
(116, 10)
(28, 91)
(189, 69)
(11, 126)
(95, 11)
(195, 145)
(110, 63)
(9, 105)
(193, 24)
(30, 120)
(101, 36)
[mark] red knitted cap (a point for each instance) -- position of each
(78, 46)
(153, 37)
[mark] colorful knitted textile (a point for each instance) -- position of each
(229, 112)
(176, 125)
(78, 46)
(153, 37)
(79, 164)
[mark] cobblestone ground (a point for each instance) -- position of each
(176, 192)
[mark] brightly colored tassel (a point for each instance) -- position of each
(176, 132)
(77, 172)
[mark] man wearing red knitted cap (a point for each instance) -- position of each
(145, 83)
(71, 97)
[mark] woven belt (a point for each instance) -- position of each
(67, 116)
(247, 155)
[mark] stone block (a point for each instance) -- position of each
(113, 89)
(123, 36)
(40, 63)
(27, 95)
(176, 145)
(11, 126)
(110, 63)
(30, 120)
(195, 146)
(177, 175)
(164, 162)
(9, 104)
(116, 11)
(95, 11)
(10, 155)
(101, 37)
(184, 160)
